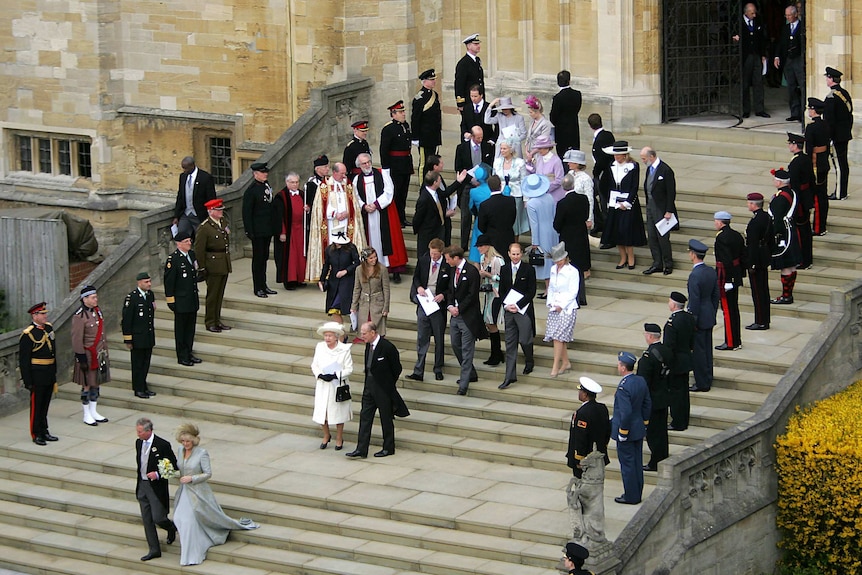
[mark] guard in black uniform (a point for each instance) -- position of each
(38, 365)
(591, 427)
(181, 294)
(679, 337)
(426, 118)
(801, 177)
(729, 265)
(758, 244)
(258, 218)
(786, 254)
(395, 142)
(357, 145)
(468, 73)
(817, 139)
(654, 367)
(574, 556)
(838, 113)
(139, 332)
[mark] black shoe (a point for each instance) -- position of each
(782, 300)
(172, 535)
(186, 362)
(506, 384)
(438, 376)
(260, 293)
(605, 246)
(746, 114)
(695, 388)
(672, 428)
(792, 119)
(622, 500)
(396, 278)
(621, 266)
(831, 197)
(224, 327)
(667, 271)
(651, 270)
(384, 453)
(474, 378)
(39, 440)
(528, 369)
(142, 394)
(415, 377)
(151, 555)
(214, 329)
(762, 115)
(49, 437)
(269, 291)
(723, 347)
(650, 468)
(542, 295)
(494, 360)
(356, 454)
(150, 393)
(195, 359)
(758, 326)
(461, 391)
(820, 235)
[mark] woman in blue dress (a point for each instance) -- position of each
(541, 208)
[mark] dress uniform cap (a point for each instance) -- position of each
(142, 276)
(216, 204)
(399, 105)
(575, 157)
(678, 297)
(833, 73)
(471, 38)
(41, 307)
(259, 167)
(627, 358)
(321, 160)
(780, 174)
(754, 197)
(428, 74)
(181, 236)
(574, 551)
(697, 247)
(795, 138)
(816, 104)
(361, 125)
(483, 240)
(87, 291)
(652, 328)
(722, 215)
(590, 385)
(331, 326)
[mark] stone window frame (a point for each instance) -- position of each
(50, 153)
(203, 143)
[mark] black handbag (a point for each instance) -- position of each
(537, 257)
(342, 393)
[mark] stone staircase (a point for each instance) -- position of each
(476, 486)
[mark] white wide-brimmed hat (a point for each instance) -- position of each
(619, 147)
(333, 327)
(340, 238)
(535, 185)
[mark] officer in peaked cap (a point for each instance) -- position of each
(357, 145)
(426, 119)
(37, 361)
(395, 141)
(574, 556)
(838, 113)
(679, 333)
(590, 429)
(139, 332)
(654, 367)
(703, 304)
(632, 409)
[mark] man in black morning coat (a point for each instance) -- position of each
(520, 276)
(151, 490)
(197, 185)
(497, 217)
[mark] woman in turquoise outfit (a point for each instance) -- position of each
(478, 195)
(199, 518)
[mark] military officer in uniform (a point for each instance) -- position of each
(838, 113)
(395, 142)
(758, 245)
(632, 410)
(357, 145)
(729, 265)
(426, 118)
(468, 73)
(654, 367)
(801, 179)
(213, 243)
(37, 362)
(139, 332)
(679, 338)
(91, 353)
(786, 254)
(590, 429)
(817, 146)
(574, 556)
(259, 221)
(181, 294)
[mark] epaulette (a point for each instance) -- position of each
(418, 96)
(387, 123)
(28, 329)
(80, 309)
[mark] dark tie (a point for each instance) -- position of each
(479, 61)
(750, 24)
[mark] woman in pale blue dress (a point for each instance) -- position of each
(199, 518)
(541, 208)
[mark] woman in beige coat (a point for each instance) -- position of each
(371, 291)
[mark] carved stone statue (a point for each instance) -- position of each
(586, 503)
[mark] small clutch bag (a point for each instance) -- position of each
(342, 393)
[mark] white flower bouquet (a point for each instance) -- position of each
(167, 469)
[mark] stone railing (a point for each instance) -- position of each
(324, 128)
(715, 504)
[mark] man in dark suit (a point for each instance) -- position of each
(430, 216)
(497, 217)
(660, 188)
(451, 192)
(139, 332)
(520, 327)
(703, 304)
(729, 265)
(468, 155)
(181, 294)
(474, 115)
(426, 117)
(654, 367)
(382, 368)
(258, 218)
(817, 140)
(151, 490)
(466, 325)
(468, 73)
(632, 410)
(758, 240)
(565, 108)
(431, 277)
(196, 188)
(791, 55)
(752, 44)
(601, 170)
(679, 338)
(838, 114)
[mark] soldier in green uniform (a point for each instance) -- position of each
(139, 332)
(212, 242)
(679, 337)
(37, 362)
(654, 367)
(91, 353)
(181, 294)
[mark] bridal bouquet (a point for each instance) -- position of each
(167, 469)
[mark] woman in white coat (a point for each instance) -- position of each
(332, 366)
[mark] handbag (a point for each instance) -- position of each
(537, 257)
(342, 393)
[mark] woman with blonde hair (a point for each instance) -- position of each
(539, 126)
(489, 270)
(562, 305)
(371, 292)
(199, 518)
(332, 365)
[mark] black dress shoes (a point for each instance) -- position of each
(186, 362)
(758, 326)
(746, 114)
(150, 393)
(269, 291)
(223, 327)
(142, 394)
(528, 369)
(151, 555)
(172, 534)
(39, 440)
(667, 271)
(506, 384)
(214, 329)
(356, 454)
(672, 428)
(384, 453)
(650, 468)
(605, 246)
(260, 293)
(396, 278)
(438, 376)
(763, 115)
(695, 388)
(781, 300)
(651, 270)
(792, 119)
(195, 359)
(461, 391)
(725, 347)
(415, 377)
(622, 500)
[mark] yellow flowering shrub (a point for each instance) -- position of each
(819, 464)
